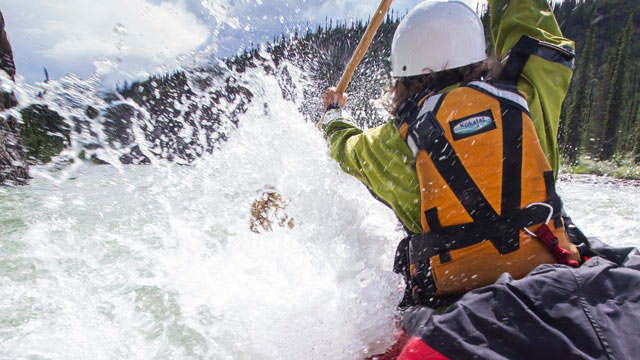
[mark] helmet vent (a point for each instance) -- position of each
(404, 68)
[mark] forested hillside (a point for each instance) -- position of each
(600, 117)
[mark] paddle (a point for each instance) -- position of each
(264, 208)
(362, 48)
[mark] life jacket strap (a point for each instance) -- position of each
(546, 236)
(424, 128)
(401, 266)
(578, 238)
(454, 237)
(554, 198)
(517, 57)
(419, 289)
(498, 229)
(414, 252)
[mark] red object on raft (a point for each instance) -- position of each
(406, 348)
(416, 349)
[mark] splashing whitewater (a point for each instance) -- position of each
(159, 261)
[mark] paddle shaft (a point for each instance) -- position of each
(363, 45)
(357, 56)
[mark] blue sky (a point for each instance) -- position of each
(133, 38)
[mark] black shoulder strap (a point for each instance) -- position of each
(526, 46)
(408, 111)
(517, 58)
(419, 114)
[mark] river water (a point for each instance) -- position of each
(158, 261)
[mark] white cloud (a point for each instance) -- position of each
(142, 35)
(60, 33)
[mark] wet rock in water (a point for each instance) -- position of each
(267, 209)
(14, 169)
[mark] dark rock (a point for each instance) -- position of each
(14, 169)
(44, 133)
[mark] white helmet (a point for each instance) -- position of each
(436, 36)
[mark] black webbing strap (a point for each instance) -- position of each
(554, 199)
(517, 59)
(433, 221)
(408, 110)
(419, 289)
(425, 131)
(423, 246)
(511, 172)
(578, 238)
(448, 164)
(401, 266)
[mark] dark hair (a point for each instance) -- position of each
(402, 89)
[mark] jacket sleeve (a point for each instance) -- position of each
(379, 158)
(546, 76)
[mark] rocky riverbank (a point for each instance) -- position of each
(14, 169)
(594, 179)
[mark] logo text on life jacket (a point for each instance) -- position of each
(472, 125)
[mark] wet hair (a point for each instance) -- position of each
(401, 89)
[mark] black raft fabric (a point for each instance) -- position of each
(555, 312)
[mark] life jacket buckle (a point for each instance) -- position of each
(548, 238)
(548, 217)
(429, 129)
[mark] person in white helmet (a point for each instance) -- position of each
(469, 158)
(468, 162)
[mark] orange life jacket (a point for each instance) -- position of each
(484, 179)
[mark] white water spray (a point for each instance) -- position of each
(158, 261)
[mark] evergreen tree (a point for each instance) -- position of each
(616, 96)
(637, 134)
(598, 107)
(486, 22)
(627, 125)
(575, 127)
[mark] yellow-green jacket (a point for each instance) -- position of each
(380, 157)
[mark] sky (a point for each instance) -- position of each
(134, 38)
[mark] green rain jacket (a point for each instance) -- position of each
(381, 159)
